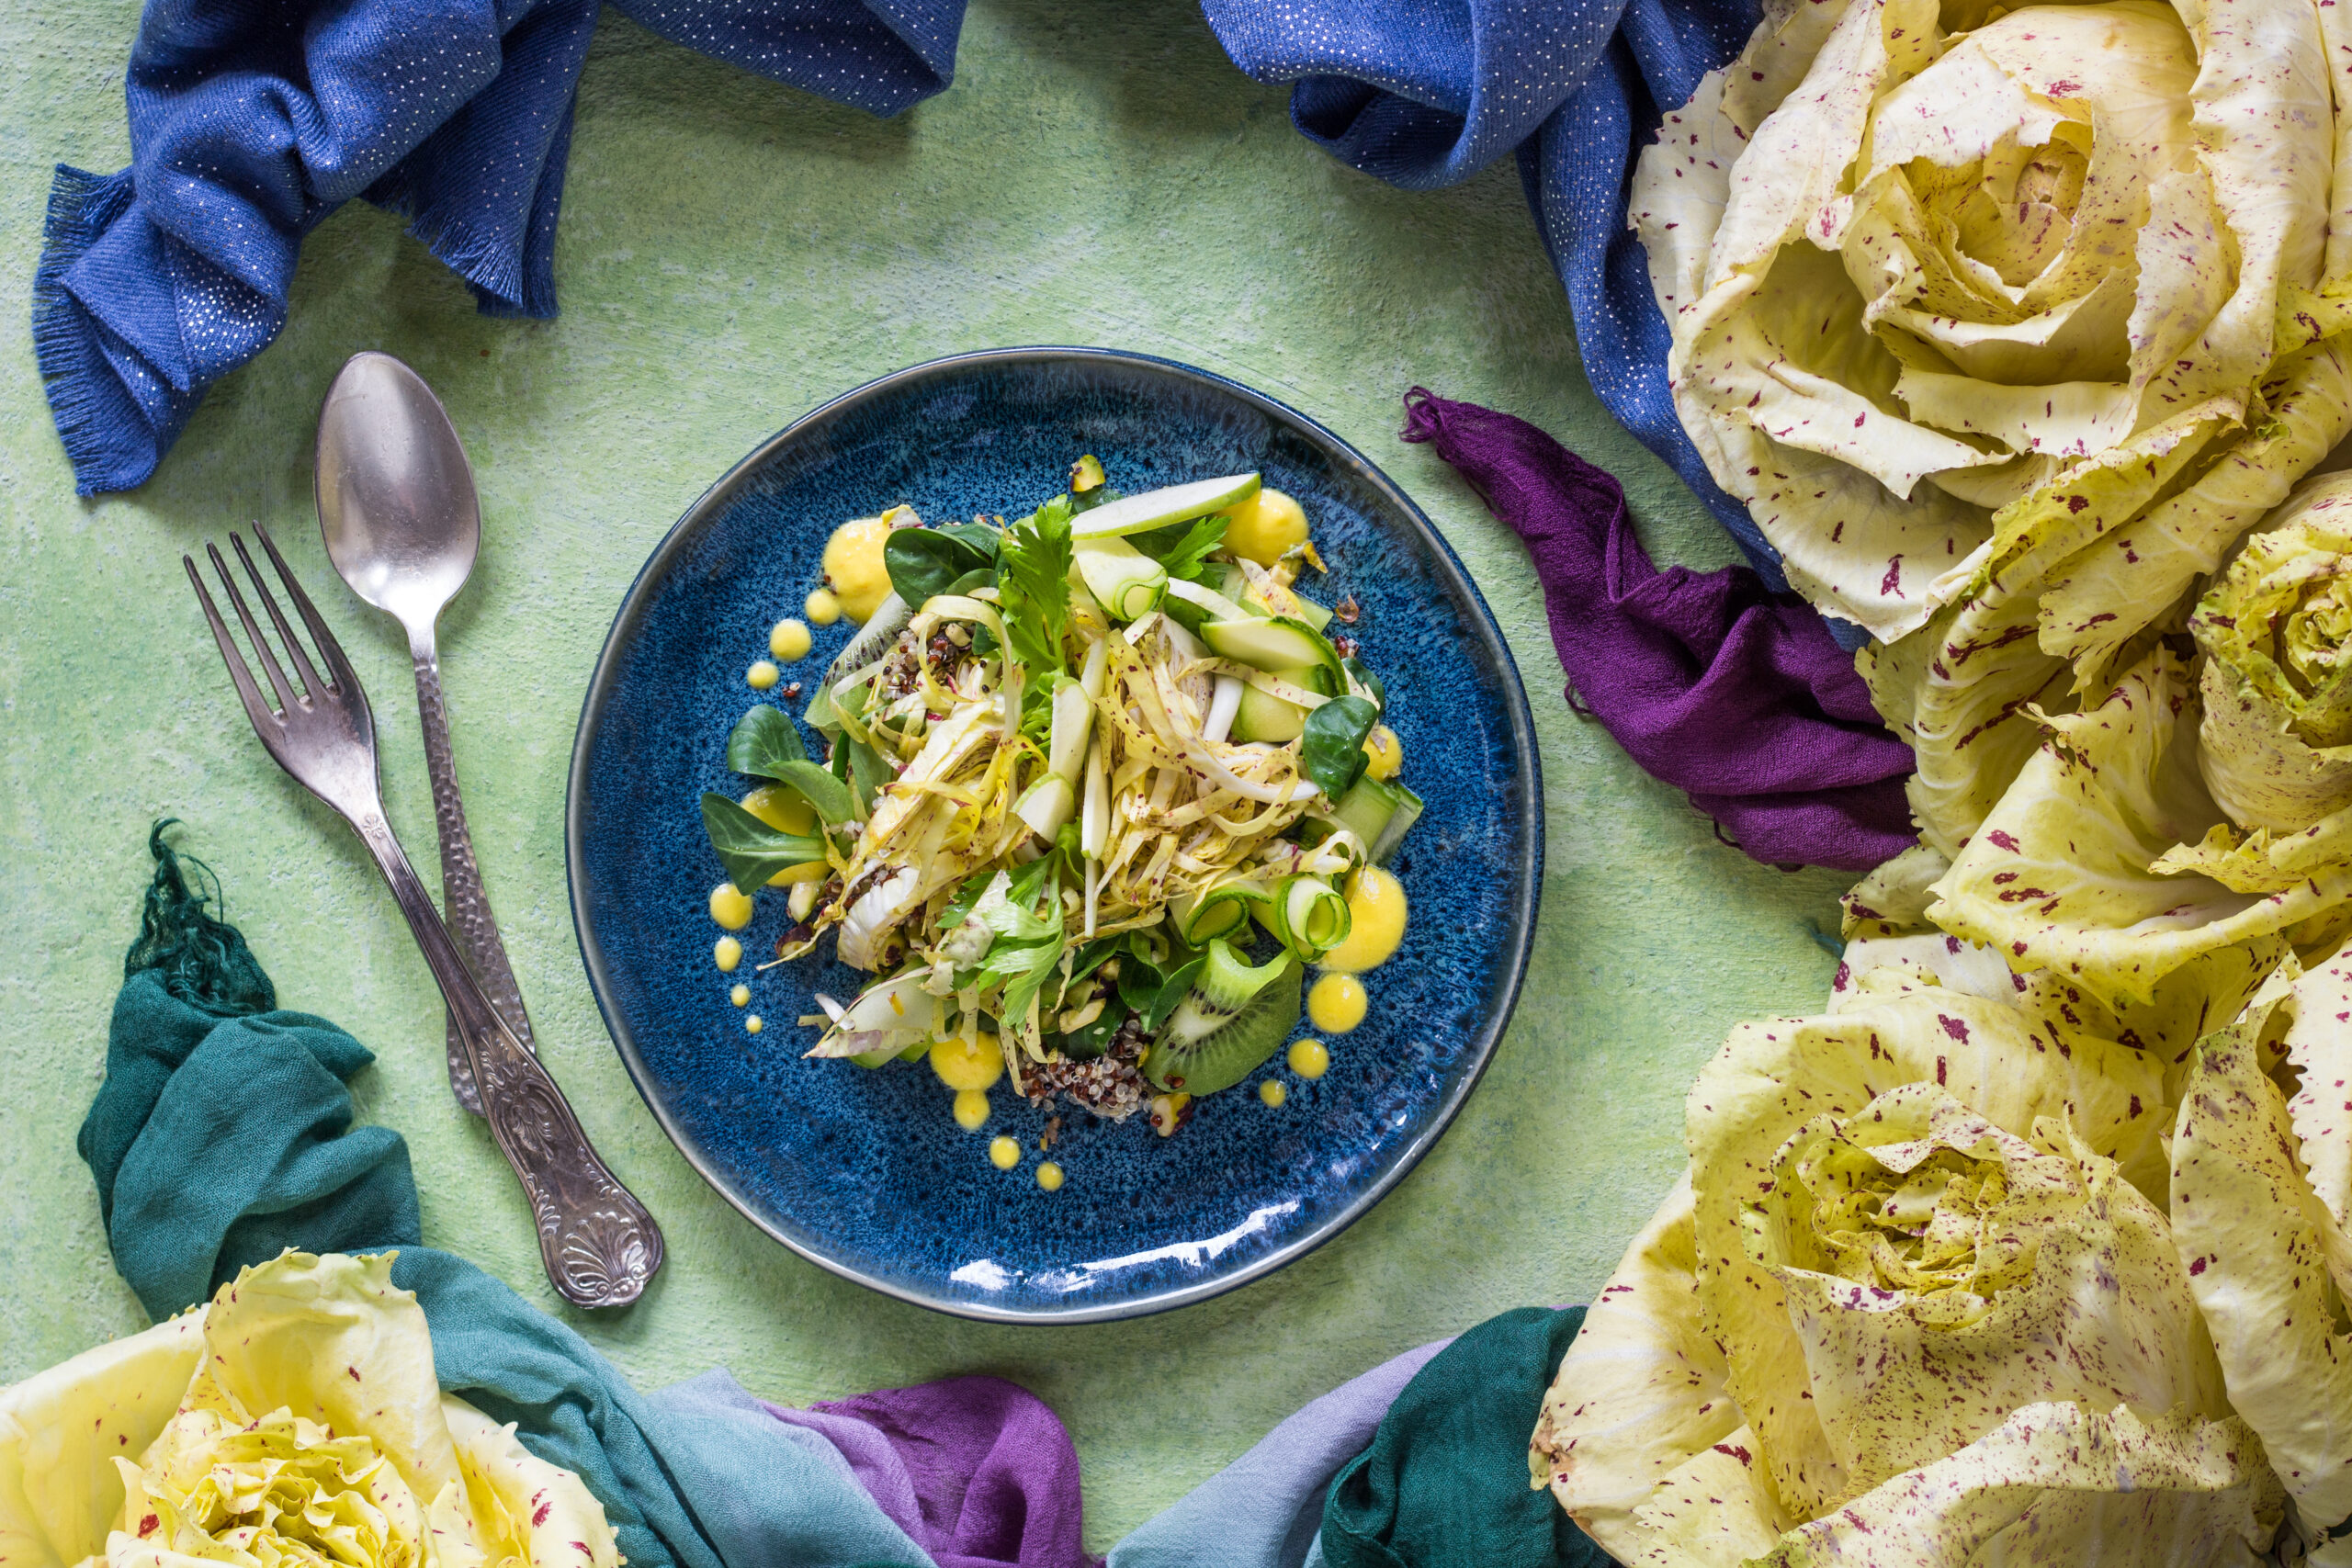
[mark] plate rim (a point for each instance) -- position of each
(1519, 718)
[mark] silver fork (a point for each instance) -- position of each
(598, 1242)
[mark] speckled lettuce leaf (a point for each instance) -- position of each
(1928, 1257)
(2276, 631)
(2270, 1262)
(2009, 1065)
(2059, 1486)
(1962, 691)
(62, 1429)
(296, 1418)
(2065, 874)
(2099, 599)
(1637, 1414)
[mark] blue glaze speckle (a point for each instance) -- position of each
(865, 1171)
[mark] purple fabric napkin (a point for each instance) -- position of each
(977, 1470)
(1713, 682)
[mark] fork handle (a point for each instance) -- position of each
(599, 1243)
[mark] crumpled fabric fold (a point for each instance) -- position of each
(1714, 683)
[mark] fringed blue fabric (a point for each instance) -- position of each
(249, 124)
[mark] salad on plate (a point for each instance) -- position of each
(1099, 785)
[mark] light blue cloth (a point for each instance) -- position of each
(1264, 1510)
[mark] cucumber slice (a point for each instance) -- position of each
(1220, 911)
(1128, 583)
(1046, 805)
(1218, 607)
(1158, 508)
(1073, 724)
(1262, 715)
(1400, 822)
(1367, 806)
(1311, 917)
(1314, 614)
(1279, 643)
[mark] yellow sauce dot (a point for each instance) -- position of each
(971, 1108)
(1004, 1153)
(821, 608)
(1335, 1003)
(763, 675)
(854, 566)
(726, 954)
(1273, 1093)
(1049, 1177)
(1376, 922)
(974, 1065)
(788, 641)
(1263, 526)
(1308, 1059)
(1383, 754)
(752, 1026)
(741, 996)
(731, 908)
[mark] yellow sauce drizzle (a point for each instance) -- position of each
(763, 675)
(788, 641)
(821, 608)
(1308, 1059)
(1377, 922)
(963, 1065)
(1335, 1003)
(1263, 526)
(731, 908)
(1273, 1093)
(726, 954)
(971, 1108)
(1004, 1153)
(853, 568)
(1049, 1177)
(741, 996)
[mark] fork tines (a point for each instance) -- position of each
(340, 680)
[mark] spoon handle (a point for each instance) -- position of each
(463, 900)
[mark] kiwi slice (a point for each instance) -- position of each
(1231, 1020)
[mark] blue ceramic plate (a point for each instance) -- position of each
(864, 1171)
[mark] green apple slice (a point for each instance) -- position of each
(1158, 508)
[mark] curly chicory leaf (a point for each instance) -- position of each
(2092, 863)
(2276, 743)
(2269, 1258)
(296, 1419)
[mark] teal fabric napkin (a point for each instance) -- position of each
(222, 1136)
(1444, 1483)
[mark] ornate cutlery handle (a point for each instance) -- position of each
(462, 895)
(598, 1242)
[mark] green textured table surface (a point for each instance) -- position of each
(732, 253)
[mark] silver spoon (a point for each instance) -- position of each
(397, 506)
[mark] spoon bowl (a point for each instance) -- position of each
(395, 493)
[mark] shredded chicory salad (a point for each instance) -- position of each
(1095, 779)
